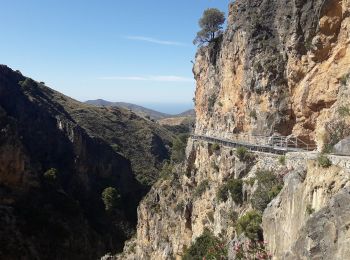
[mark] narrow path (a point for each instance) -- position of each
(275, 149)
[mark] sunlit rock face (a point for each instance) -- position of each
(309, 217)
(277, 68)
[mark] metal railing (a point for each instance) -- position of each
(272, 144)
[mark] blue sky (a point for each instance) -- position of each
(132, 51)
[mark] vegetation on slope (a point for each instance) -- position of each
(70, 189)
(145, 143)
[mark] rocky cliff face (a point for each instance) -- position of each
(62, 216)
(278, 68)
(310, 217)
(296, 224)
(281, 66)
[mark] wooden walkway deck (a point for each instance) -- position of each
(275, 145)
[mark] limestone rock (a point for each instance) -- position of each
(276, 68)
(343, 147)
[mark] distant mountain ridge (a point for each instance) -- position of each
(140, 110)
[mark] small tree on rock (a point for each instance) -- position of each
(111, 198)
(211, 25)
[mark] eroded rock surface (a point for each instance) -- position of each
(280, 66)
(277, 68)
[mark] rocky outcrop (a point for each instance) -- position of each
(278, 67)
(343, 147)
(177, 210)
(308, 219)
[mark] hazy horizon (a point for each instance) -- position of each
(167, 108)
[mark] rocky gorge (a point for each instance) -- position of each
(280, 67)
(57, 156)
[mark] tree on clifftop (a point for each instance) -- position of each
(211, 25)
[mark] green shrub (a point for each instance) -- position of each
(327, 148)
(268, 188)
(249, 225)
(215, 166)
(27, 83)
(308, 44)
(253, 114)
(250, 181)
(233, 216)
(211, 216)
(233, 187)
(51, 175)
(178, 153)
(167, 170)
(324, 161)
(201, 188)
(111, 198)
(211, 102)
(274, 191)
(309, 209)
(344, 79)
(207, 246)
(180, 206)
(260, 199)
(242, 153)
(215, 147)
(282, 160)
(344, 111)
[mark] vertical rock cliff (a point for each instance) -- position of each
(277, 68)
(280, 66)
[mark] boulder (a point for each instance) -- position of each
(343, 147)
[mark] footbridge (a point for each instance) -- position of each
(268, 144)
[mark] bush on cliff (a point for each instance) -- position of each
(269, 186)
(179, 148)
(233, 187)
(111, 198)
(249, 225)
(324, 161)
(207, 246)
(242, 153)
(201, 188)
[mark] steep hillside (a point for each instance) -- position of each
(187, 113)
(162, 118)
(280, 66)
(178, 125)
(145, 143)
(140, 110)
(57, 156)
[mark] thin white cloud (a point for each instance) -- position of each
(153, 40)
(150, 78)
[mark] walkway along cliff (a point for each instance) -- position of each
(281, 67)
